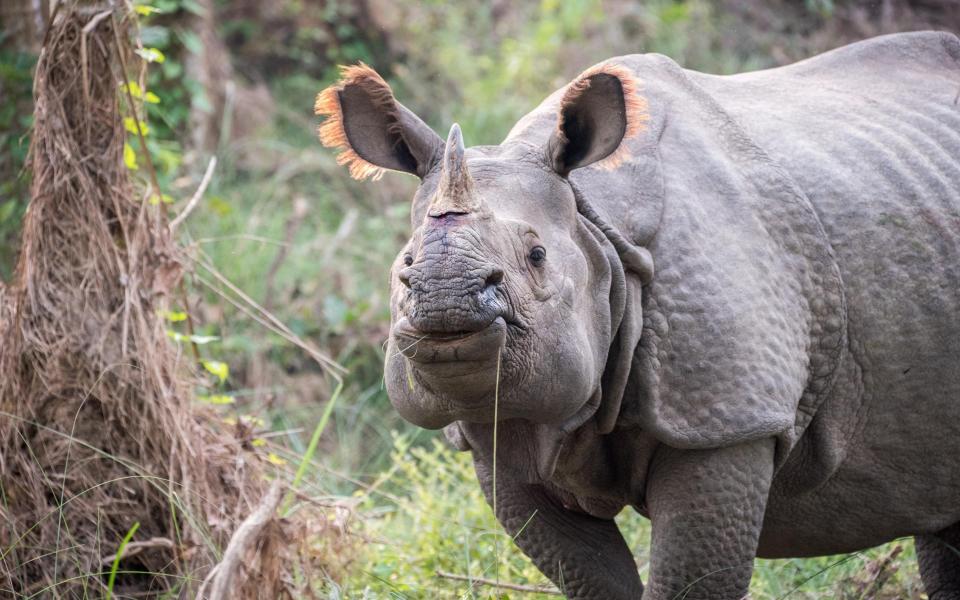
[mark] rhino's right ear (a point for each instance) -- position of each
(599, 111)
(372, 130)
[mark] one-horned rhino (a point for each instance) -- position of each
(730, 302)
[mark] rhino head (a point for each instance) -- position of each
(506, 302)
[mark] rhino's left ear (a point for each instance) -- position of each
(372, 130)
(599, 111)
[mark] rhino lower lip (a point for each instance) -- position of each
(465, 346)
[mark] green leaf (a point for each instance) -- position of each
(202, 102)
(144, 10)
(220, 206)
(219, 399)
(252, 421)
(137, 92)
(133, 88)
(155, 35)
(130, 124)
(196, 339)
(172, 70)
(192, 6)
(220, 369)
(7, 208)
(191, 41)
(130, 157)
(151, 55)
(174, 316)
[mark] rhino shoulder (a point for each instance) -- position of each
(744, 323)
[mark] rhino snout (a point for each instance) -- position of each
(452, 299)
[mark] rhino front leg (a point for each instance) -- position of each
(586, 557)
(939, 558)
(706, 507)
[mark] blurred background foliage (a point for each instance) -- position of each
(286, 225)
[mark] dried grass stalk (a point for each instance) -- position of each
(97, 427)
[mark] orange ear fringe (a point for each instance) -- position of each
(332, 133)
(635, 105)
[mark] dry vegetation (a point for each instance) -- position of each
(100, 435)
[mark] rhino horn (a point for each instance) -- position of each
(455, 193)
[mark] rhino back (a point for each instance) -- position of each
(871, 133)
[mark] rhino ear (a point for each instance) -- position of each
(599, 111)
(371, 129)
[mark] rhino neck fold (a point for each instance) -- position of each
(551, 438)
(635, 258)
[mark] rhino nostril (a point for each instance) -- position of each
(404, 276)
(494, 278)
(445, 215)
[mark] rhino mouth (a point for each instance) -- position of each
(444, 377)
(450, 347)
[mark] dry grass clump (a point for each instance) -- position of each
(97, 428)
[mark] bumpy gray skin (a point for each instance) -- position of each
(795, 387)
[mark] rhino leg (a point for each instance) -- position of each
(706, 507)
(585, 556)
(939, 559)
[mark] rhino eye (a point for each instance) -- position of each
(408, 259)
(538, 255)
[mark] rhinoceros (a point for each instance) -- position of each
(729, 302)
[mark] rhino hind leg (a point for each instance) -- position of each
(939, 559)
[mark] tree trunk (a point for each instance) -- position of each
(24, 22)
(210, 112)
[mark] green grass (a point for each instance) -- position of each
(430, 516)
(115, 565)
(307, 457)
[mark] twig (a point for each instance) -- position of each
(246, 535)
(181, 288)
(877, 573)
(268, 320)
(237, 236)
(517, 587)
(134, 548)
(300, 208)
(90, 26)
(172, 227)
(196, 196)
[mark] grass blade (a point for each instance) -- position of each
(116, 559)
(311, 448)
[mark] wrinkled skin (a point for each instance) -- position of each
(747, 328)
(450, 289)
